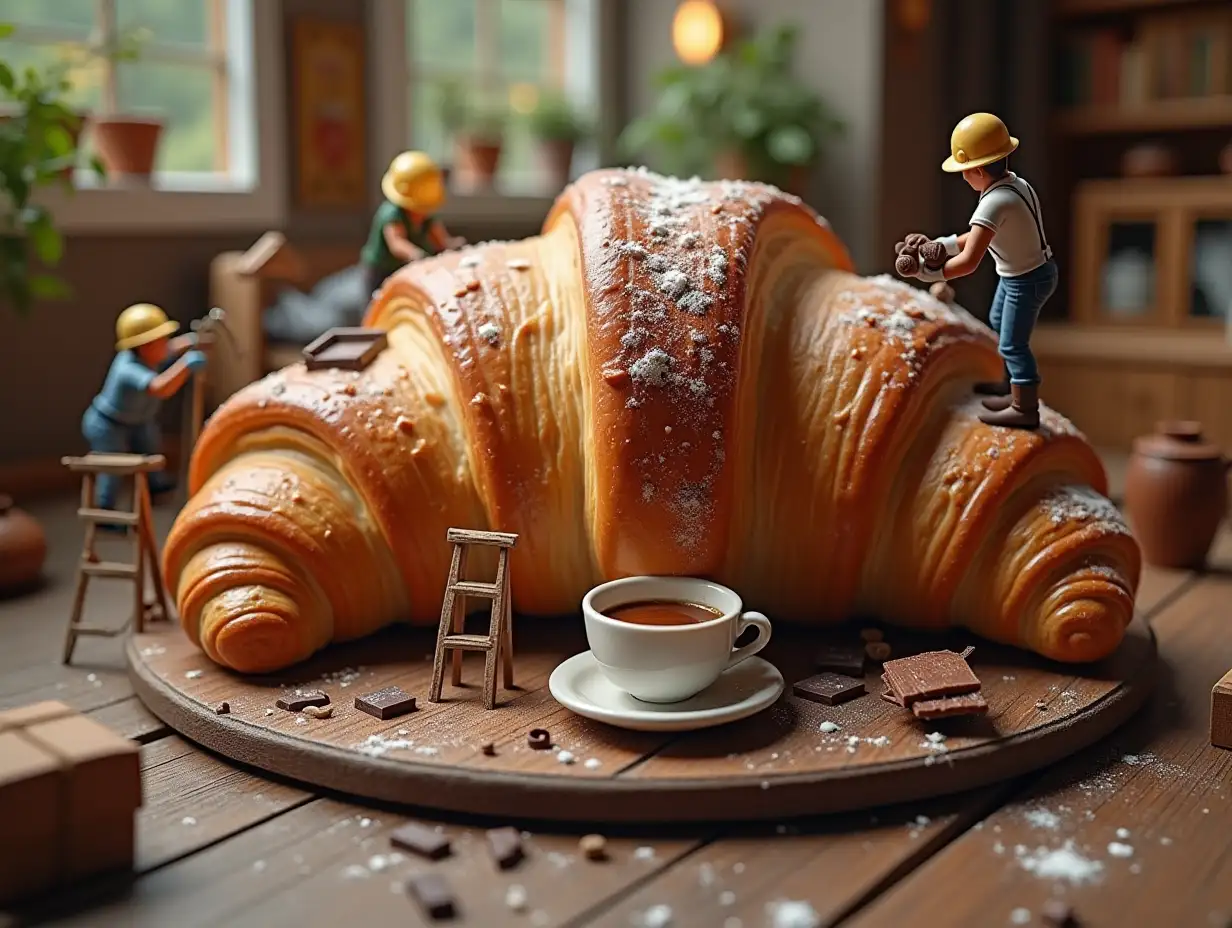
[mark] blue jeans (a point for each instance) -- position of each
(1015, 307)
(110, 437)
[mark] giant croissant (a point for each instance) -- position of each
(676, 377)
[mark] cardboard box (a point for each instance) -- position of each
(100, 790)
(1221, 713)
(30, 785)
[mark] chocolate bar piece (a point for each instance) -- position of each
(506, 847)
(829, 688)
(296, 701)
(966, 704)
(385, 704)
(427, 843)
(1221, 712)
(929, 676)
(841, 658)
(433, 895)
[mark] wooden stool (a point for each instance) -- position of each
(498, 642)
(145, 556)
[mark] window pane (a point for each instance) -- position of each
(525, 39)
(183, 96)
(442, 33)
(519, 168)
(49, 12)
(85, 77)
(1129, 269)
(1212, 269)
(169, 20)
(427, 132)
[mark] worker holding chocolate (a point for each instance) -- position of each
(403, 228)
(149, 366)
(1007, 222)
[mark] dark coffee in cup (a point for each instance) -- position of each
(662, 612)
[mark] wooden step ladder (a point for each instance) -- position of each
(498, 642)
(138, 522)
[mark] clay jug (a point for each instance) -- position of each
(23, 547)
(1176, 494)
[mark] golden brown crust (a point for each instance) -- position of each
(676, 377)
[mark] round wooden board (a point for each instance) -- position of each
(773, 765)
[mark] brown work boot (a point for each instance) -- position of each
(997, 403)
(1023, 411)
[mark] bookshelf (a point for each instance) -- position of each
(1141, 330)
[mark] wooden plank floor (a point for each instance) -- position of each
(1133, 831)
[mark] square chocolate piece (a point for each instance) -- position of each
(829, 688)
(418, 839)
(433, 895)
(385, 704)
(301, 699)
(1221, 712)
(966, 704)
(847, 659)
(506, 847)
(348, 349)
(929, 676)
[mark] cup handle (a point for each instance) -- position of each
(762, 624)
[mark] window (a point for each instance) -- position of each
(196, 68)
(502, 52)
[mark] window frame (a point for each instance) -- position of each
(250, 193)
(586, 24)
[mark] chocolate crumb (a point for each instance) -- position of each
(593, 847)
(489, 749)
(223, 708)
(539, 739)
(297, 702)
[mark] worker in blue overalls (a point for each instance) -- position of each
(149, 366)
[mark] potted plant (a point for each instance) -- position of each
(558, 126)
(743, 114)
(477, 126)
(126, 143)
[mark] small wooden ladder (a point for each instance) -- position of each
(498, 642)
(139, 521)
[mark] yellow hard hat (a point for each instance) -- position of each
(979, 139)
(141, 324)
(414, 182)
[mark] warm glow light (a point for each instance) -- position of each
(523, 98)
(697, 31)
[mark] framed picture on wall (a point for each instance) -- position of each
(327, 78)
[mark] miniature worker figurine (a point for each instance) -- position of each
(404, 229)
(149, 366)
(1007, 221)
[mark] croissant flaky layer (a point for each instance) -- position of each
(676, 377)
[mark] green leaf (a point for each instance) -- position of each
(790, 145)
(46, 287)
(48, 243)
(6, 30)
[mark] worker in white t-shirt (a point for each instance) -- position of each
(1007, 222)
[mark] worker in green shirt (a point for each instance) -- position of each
(404, 229)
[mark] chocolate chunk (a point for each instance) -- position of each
(388, 703)
(966, 704)
(1058, 914)
(829, 688)
(506, 847)
(223, 708)
(417, 839)
(929, 676)
(593, 847)
(433, 895)
(301, 698)
(841, 658)
(489, 749)
(539, 739)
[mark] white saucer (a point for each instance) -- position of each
(743, 690)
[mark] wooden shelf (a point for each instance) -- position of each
(1141, 346)
(1160, 116)
(1072, 9)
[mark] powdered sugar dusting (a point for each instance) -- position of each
(1063, 863)
(1083, 505)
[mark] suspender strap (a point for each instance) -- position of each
(1032, 209)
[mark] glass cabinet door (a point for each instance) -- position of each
(1128, 270)
(1210, 273)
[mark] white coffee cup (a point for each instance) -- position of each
(668, 663)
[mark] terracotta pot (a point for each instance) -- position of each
(732, 165)
(1176, 494)
(476, 162)
(1150, 160)
(557, 158)
(23, 548)
(127, 145)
